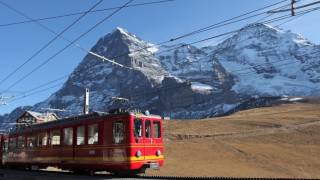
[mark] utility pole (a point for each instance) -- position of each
(292, 7)
(86, 102)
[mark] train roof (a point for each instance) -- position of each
(76, 119)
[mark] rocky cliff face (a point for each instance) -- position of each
(191, 82)
(106, 80)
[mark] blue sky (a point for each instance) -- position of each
(153, 23)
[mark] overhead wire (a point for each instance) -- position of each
(45, 84)
(48, 43)
(211, 38)
(82, 12)
(101, 57)
(225, 21)
(273, 20)
(68, 45)
(76, 44)
(207, 28)
(218, 36)
(35, 92)
(296, 17)
(295, 8)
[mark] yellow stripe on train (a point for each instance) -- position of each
(105, 159)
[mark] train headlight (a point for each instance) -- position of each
(138, 153)
(158, 153)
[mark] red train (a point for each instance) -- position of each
(124, 142)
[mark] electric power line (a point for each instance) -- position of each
(225, 21)
(302, 6)
(194, 32)
(35, 92)
(45, 84)
(296, 17)
(48, 43)
(166, 88)
(216, 25)
(238, 70)
(219, 36)
(77, 45)
(67, 46)
(82, 12)
(269, 15)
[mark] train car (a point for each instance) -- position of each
(121, 142)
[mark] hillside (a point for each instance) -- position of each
(280, 141)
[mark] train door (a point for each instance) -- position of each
(157, 135)
(148, 141)
(80, 142)
(67, 148)
(138, 137)
(55, 149)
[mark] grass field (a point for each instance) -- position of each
(280, 141)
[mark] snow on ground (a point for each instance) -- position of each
(201, 88)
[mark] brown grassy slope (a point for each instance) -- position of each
(281, 141)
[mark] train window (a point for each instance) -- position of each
(12, 143)
(20, 141)
(147, 129)
(67, 136)
(156, 129)
(93, 134)
(55, 137)
(80, 135)
(137, 128)
(31, 142)
(42, 139)
(118, 134)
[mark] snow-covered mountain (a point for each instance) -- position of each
(106, 80)
(268, 61)
(184, 81)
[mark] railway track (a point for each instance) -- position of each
(10, 174)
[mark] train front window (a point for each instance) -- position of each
(137, 128)
(156, 129)
(147, 128)
(118, 135)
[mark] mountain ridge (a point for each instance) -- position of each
(191, 82)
